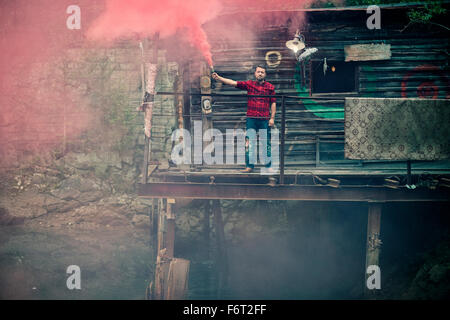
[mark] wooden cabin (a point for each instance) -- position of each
(396, 61)
(317, 163)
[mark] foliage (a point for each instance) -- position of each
(432, 280)
(425, 15)
(431, 9)
(99, 79)
(324, 4)
(378, 2)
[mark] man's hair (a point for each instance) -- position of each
(260, 66)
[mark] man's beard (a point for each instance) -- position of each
(260, 80)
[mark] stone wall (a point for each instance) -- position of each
(85, 175)
(87, 103)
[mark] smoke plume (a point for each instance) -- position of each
(37, 108)
(125, 18)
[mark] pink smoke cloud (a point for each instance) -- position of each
(34, 99)
(128, 18)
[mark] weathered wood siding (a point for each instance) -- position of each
(315, 129)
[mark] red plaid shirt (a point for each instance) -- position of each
(258, 107)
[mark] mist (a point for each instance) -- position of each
(303, 250)
(39, 108)
(42, 109)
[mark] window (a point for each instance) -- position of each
(339, 76)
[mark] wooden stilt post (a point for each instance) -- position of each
(161, 224)
(222, 258)
(177, 287)
(161, 275)
(373, 248)
(206, 101)
(170, 234)
(171, 274)
(154, 226)
(162, 260)
(208, 280)
(206, 228)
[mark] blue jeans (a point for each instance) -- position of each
(250, 148)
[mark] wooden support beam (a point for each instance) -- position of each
(154, 226)
(222, 257)
(178, 278)
(170, 233)
(161, 224)
(166, 227)
(206, 101)
(161, 275)
(373, 242)
(171, 274)
(146, 159)
(162, 259)
(206, 228)
(291, 192)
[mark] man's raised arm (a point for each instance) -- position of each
(230, 82)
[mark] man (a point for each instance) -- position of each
(260, 110)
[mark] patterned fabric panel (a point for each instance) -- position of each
(397, 129)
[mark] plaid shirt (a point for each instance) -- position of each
(258, 107)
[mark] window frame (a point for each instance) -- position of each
(335, 94)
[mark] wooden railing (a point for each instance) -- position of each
(283, 99)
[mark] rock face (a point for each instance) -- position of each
(141, 221)
(432, 280)
(91, 179)
(86, 177)
(73, 196)
(7, 220)
(242, 219)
